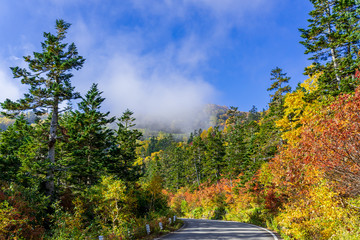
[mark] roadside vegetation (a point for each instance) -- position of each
(75, 172)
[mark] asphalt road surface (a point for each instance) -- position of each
(212, 229)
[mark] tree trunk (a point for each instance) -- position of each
(50, 186)
(332, 50)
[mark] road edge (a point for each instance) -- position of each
(173, 231)
(275, 235)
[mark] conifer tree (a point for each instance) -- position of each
(254, 115)
(235, 151)
(197, 157)
(11, 141)
(174, 168)
(123, 153)
(268, 137)
(89, 139)
(333, 40)
(277, 98)
(48, 78)
(214, 154)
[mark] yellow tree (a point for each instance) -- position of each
(296, 108)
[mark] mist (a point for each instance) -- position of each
(163, 86)
(162, 98)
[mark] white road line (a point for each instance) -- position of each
(272, 234)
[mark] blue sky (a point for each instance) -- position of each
(164, 57)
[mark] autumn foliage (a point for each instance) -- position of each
(17, 216)
(310, 189)
(334, 143)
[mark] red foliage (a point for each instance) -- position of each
(23, 223)
(272, 202)
(330, 143)
(357, 74)
(334, 142)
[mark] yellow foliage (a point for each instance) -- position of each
(351, 228)
(265, 175)
(297, 108)
(144, 145)
(314, 214)
(156, 155)
(113, 205)
(139, 161)
(204, 133)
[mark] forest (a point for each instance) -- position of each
(77, 173)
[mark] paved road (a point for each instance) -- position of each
(211, 229)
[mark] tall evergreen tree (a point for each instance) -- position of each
(197, 157)
(235, 151)
(268, 138)
(173, 164)
(89, 139)
(48, 78)
(123, 154)
(333, 40)
(214, 154)
(278, 85)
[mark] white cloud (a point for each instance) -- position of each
(159, 85)
(8, 89)
(160, 95)
(14, 58)
(192, 51)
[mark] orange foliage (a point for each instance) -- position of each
(333, 142)
(205, 202)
